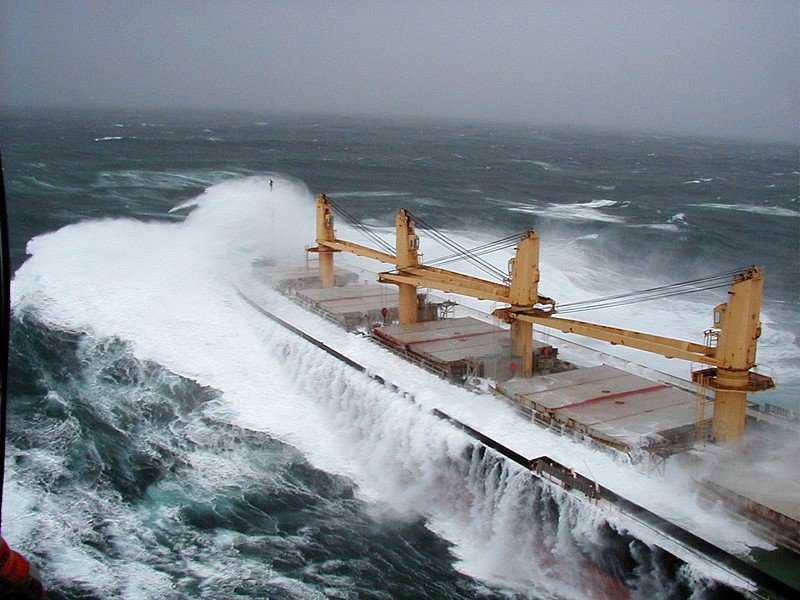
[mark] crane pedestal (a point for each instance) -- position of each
(326, 275)
(407, 303)
(522, 337)
(729, 405)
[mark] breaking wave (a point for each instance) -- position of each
(582, 211)
(175, 323)
(772, 211)
(160, 180)
(539, 163)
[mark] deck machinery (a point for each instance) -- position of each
(728, 353)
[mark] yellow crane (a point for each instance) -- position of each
(730, 362)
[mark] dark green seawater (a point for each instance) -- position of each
(128, 480)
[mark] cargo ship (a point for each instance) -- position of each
(558, 385)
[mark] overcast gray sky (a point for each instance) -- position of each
(720, 68)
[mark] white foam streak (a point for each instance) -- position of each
(582, 211)
(773, 211)
(167, 288)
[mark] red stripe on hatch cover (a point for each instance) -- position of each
(612, 396)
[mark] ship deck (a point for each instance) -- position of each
(606, 403)
(609, 405)
(602, 402)
(452, 339)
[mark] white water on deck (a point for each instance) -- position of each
(168, 289)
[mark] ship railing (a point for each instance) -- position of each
(314, 308)
(413, 358)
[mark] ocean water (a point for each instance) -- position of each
(165, 443)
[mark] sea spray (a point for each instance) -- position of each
(167, 290)
(509, 529)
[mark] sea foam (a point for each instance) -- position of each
(168, 290)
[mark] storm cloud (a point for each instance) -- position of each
(719, 68)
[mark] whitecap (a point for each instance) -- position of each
(539, 163)
(679, 218)
(585, 238)
(586, 211)
(600, 203)
(159, 179)
(772, 211)
(658, 226)
(44, 184)
(173, 301)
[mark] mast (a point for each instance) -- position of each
(407, 258)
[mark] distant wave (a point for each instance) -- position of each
(114, 137)
(539, 163)
(773, 211)
(598, 203)
(585, 211)
(698, 181)
(32, 182)
(606, 188)
(591, 237)
(677, 219)
(659, 226)
(159, 180)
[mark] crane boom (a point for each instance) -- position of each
(664, 346)
(730, 361)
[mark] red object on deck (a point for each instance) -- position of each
(13, 565)
(17, 578)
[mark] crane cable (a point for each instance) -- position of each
(473, 255)
(445, 241)
(365, 231)
(702, 280)
(711, 282)
(459, 251)
(488, 248)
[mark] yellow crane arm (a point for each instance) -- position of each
(357, 249)
(633, 339)
(448, 281)
(443, 284)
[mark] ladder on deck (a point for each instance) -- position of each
(702, 418)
